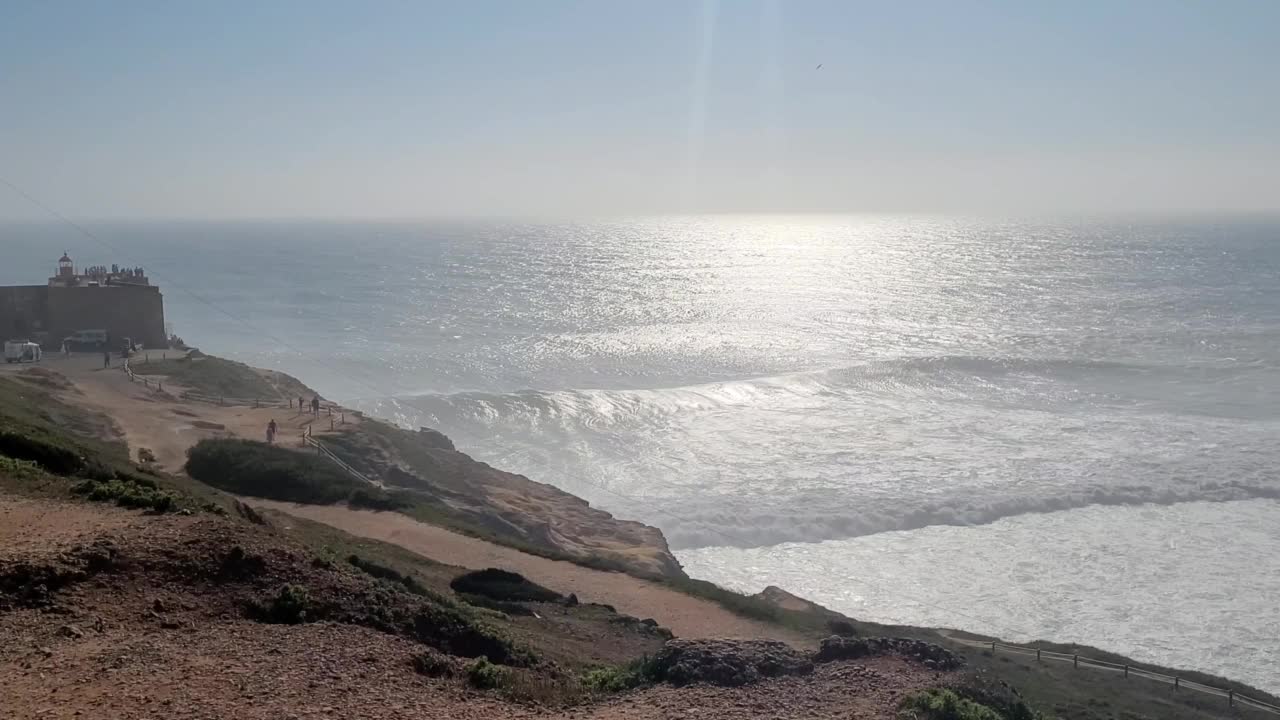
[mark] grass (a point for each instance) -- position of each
(222, 378)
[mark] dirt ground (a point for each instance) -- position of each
(147, 638)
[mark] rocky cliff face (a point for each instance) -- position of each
(506, 505)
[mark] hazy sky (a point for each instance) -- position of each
(126, 108)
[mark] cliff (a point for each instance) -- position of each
(426, 467)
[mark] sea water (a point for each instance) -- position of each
(1036, 428)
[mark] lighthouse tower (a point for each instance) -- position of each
(66, 270)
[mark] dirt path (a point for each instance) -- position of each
(684, 615)
(167, 424)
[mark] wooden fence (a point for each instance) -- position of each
(326, 452)
(1233, 698)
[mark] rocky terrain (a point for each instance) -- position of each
(114, 613)
(130, 589)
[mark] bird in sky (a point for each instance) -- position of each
(819, 67)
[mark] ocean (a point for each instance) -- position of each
(1033, 428)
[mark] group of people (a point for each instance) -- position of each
(315, 410)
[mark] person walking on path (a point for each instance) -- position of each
(106, 358)
(66, 349)
(299, 404)
(315, 405)
(271, 431)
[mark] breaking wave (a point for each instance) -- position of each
(952, 440)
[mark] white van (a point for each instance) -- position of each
(87, 340)
(16, 351)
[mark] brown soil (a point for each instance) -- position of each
(153, 633)
(868, 689)
(684, 615)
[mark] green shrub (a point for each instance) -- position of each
(127, 493)
(623, 677)
(432, 664)
(54, 457)
(288, 607)
(502, 585)
(20, 469)
(246, 467)
(462, 633)
(944, 704)
(484, 675)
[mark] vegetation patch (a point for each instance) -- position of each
(20, 469)
(484, 675)
(33, 446)
(944, 704)
(461, 633)
(382, 572)
(128, 492)
(375, 499)
(288, 607)
(433, 664)
(502, 585)
(637, 673)
(500, 606)
(246, 467)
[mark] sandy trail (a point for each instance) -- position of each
(684, 615)
(167, 424)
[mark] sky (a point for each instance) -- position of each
(381, 109)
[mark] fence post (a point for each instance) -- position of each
(1037, 654)
(159, 386)
(1075, 660)
(1231, 697)
(343, 419)
(1126, 671)
(331, 424)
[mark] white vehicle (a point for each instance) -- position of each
(21, 351)
(87, 340)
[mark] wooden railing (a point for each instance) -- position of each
(1233, 698)
(326, 452)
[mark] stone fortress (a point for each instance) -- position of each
(121, 301)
